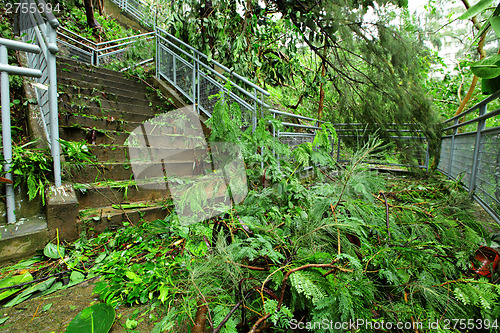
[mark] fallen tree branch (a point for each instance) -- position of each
(224, 321)
(35, 281)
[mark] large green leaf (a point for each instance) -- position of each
(488, 68)
(97, 318)
(42, 286)
(487, 23)
(495, 24)
(50, 251)
(476, 9)
(490, 86)
(12, 281)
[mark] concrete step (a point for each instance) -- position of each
(74, 86)
(132, 113)
(108, 100)
(107, 137)
(115, 153)
(96, 75)
(80, 102)
(102, 194)
(101, 218)
(83, 66)
(123, 170)
(109, 123)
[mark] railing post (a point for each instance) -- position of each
(53, 109)
(6, 137)
(193, 85)
(475, 159)
(157, 41)
(96, 57)
(427, 157)
(174, 63)
(452, 148)
(254, 114)
(338, 148)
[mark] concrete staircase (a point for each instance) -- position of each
(103, 108)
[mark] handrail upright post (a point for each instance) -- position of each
(475, 159)
(193, 85)
(53, 108)
(6, 137)
(452, 148)
(198, 84)
(427, 157)
(254, 114)
(338, 148)
(157, 67)
(174, 63)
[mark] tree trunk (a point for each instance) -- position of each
(205, 12)
(99, 6)
(321, 89)
(89, 12)
(482, 55)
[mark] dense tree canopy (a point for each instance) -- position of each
(350, 60)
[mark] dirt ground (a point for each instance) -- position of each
(30, 316)
(52, 313)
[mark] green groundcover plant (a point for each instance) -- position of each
(350, 245)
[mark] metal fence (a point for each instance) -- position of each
(473, 157)
(76, 47)
(5, 70)
(410, 147)
(295, 132)
(39, 28)
(200, 79)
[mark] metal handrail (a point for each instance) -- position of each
(95, 50)
(491, 98)
(227, 70)
(463, 153)
(5, 71)
(42, 30)
(293, 115)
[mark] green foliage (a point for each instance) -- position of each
(370, 69)
(74, 19)
(97, 318)
(32, 166)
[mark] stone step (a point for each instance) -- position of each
(83, 66)
(106, 137)
(102, 194)
(110, 123)
(118, 171)
(73, 86)
(109, 100)
(129, 112)
(80, 102)
(96, 75)
(115, 153)
(101, 218)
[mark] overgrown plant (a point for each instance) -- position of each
(352, 245)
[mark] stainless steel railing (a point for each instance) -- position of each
(198, 78)
(84, 50)
(410, 142)
(470, 152)
(39, 27)
(5, 70)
